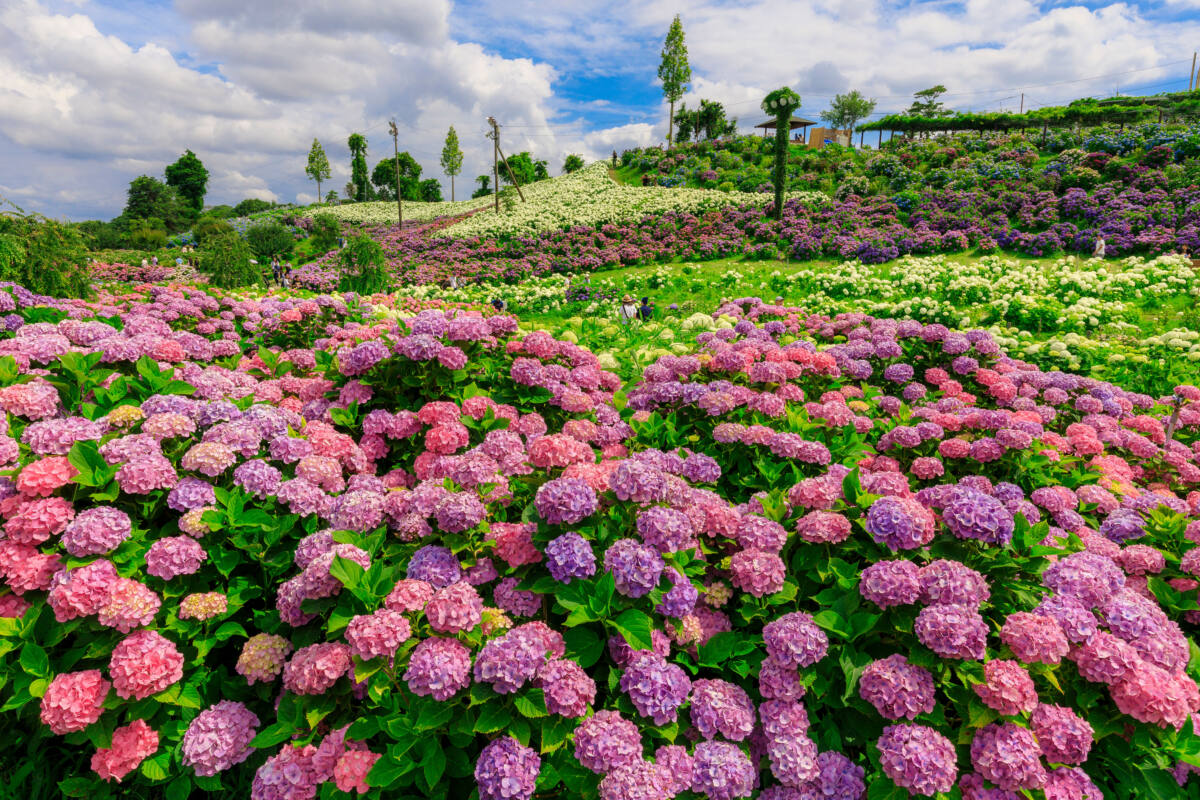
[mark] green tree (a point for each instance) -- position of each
(149, 233)
(332, 197)
(430, 190)
(710, 118)
(484, 188)
(573, 163)
(318, 166)
(358, 167)
(452, 158)
(363, 263)
(686, 123)
(526, 168)
(780, 103)
(926, 103)
(845, 110)
(673, 70)
(207, 228)
(151, 198)
(252, 205)
(384, 178)
(269, 240)
(189, 177)
(226, 259)
(43, 255)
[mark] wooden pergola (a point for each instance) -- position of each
(796, 122)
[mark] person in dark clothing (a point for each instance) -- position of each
(646, 311)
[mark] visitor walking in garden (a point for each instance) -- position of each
(628, 310)
(1098, 250)
(646, 312)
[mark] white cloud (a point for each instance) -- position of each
(89, 100)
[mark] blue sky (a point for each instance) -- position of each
(96, 92)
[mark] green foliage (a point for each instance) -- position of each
(325, 232)
(526, 169)
(207, 228)
(674, 70)
(147, 234)
(318, 166)
(708, 120)
(384, 178)
(781, 102)
(150, 198)
(252, 205)
(572, 164)
(452, 158)
(219, 212)
(484, 188)
(363, 263)
(270, 239)
(226, 259)
(43, 255)
(430, 191)
(845, 110)
(189, 177)
(926, 103)
(358, 167)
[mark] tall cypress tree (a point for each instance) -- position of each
(452, 158)
(674, 71)
(318, 166)
(358, 167)
(781, 103)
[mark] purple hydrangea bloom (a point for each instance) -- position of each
(507, 770)
(635, 566)
(721, 771)
(439, 668)
(565, 501)
(570, 556)
(974, 515)
(900, 523)
(952, 631)
(896, 688)
(918, 758)
(435, 565)
(1008, 756)
(795, 640)
(657, 687)
(891, 583)
(719, 707)
(605, 741)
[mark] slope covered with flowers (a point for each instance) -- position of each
(293, 548)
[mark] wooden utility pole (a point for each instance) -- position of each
(1022, 111)
(496, 139)
(396, 162)
(1192, 74)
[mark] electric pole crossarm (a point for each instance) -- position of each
(396, 163)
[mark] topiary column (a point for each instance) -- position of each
(781, 103)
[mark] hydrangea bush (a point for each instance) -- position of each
(293, 548)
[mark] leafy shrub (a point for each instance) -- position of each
(269, 240)
(207, 228)
(251, 205)
(45, 256)
(226, 259)
(363, 264)
(325, 232)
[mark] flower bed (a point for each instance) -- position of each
(285, 545)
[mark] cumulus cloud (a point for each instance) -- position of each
(89, 100)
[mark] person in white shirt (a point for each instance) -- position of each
(628, 310)
(1098, 251)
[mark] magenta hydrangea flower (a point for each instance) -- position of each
(569, 690)
(1064, 736)
(74, 700)
(656, 687)
(795, 640)
(316, 668)
(945, 582)
(1007, 688)
(757, 572)
(918, 758)
(173, 556)
(1033, 638)
(636, 567)
(1008, 756)
(565, 501)
(952, 631)
(896, 688)
(507, 770)
(455, 608)
(605, 741)
(219, 738)
(900, 523)
(721, 771)
(439, 668)
(720, 707)
(377, 635)
(891, 583)
(640, 780)
(95, 531)
(143, 664)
